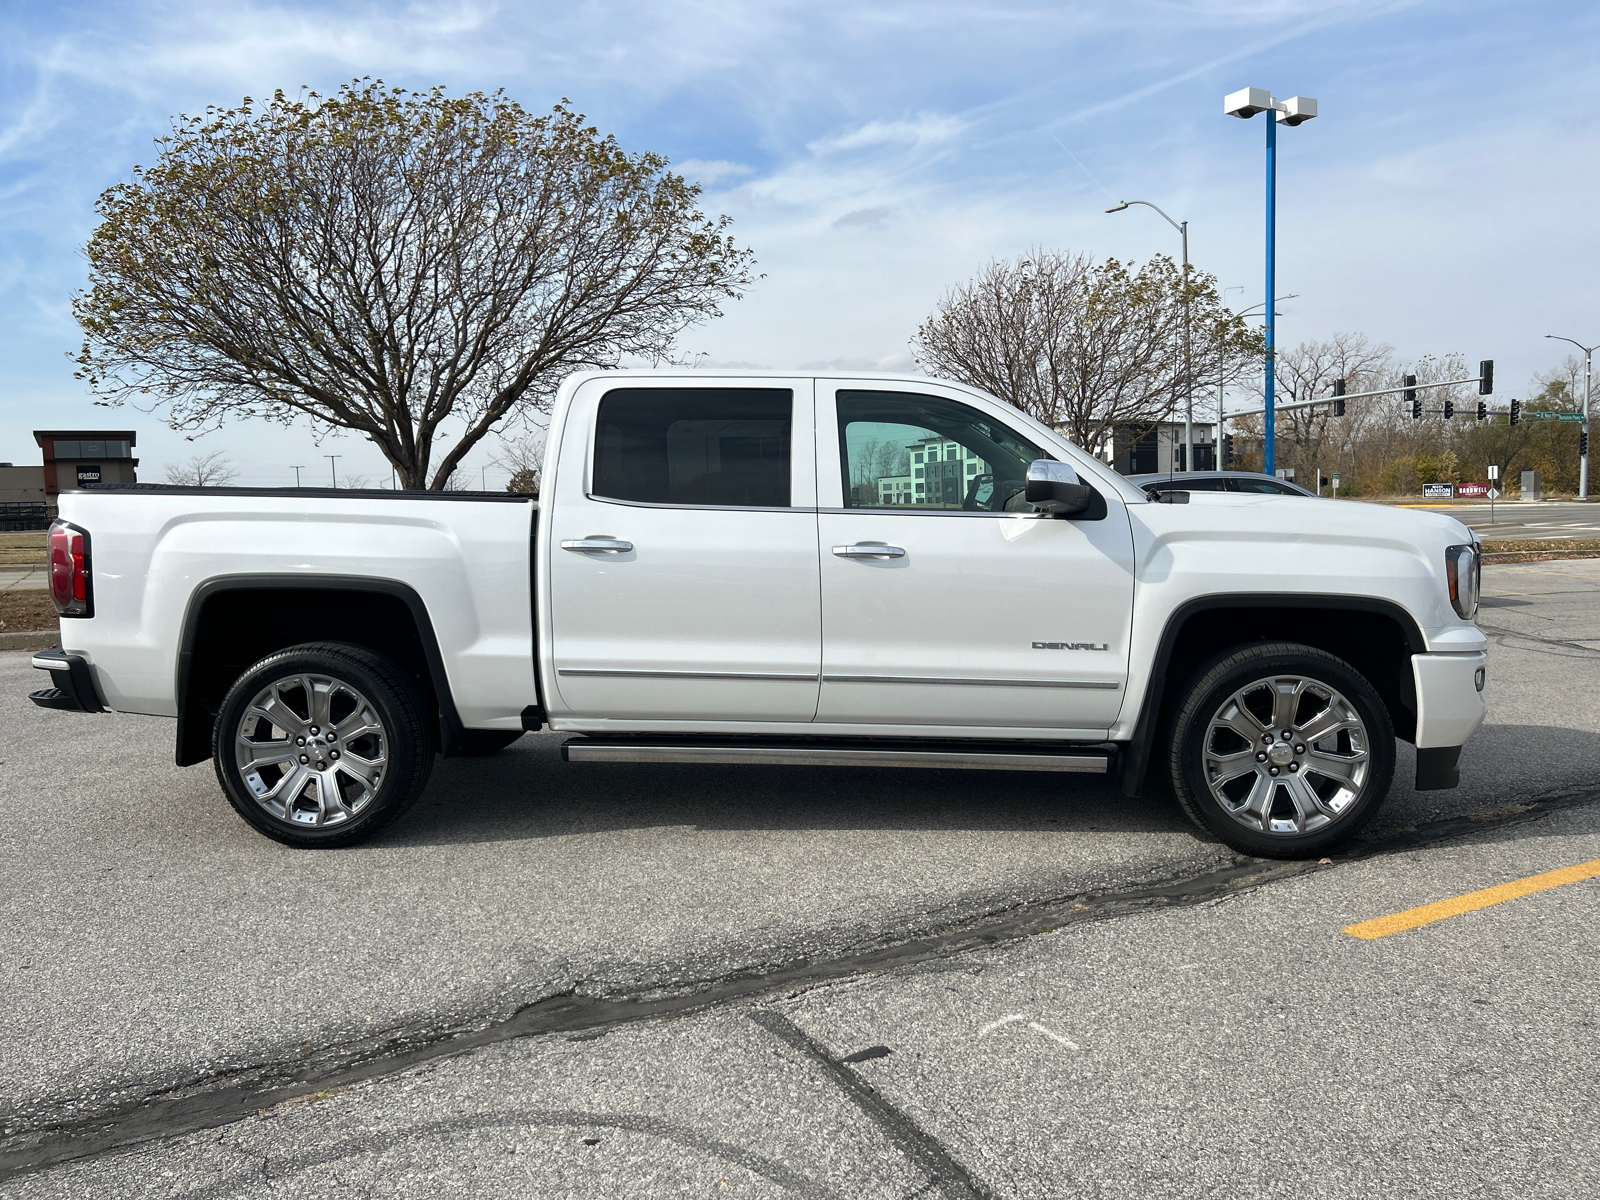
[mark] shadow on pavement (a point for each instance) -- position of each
(528, 792)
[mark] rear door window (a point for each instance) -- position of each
(721, 447)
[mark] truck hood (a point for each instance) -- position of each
(1221, 543)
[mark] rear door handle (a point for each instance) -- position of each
(869, 550)
(613, 545)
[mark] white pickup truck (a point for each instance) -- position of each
(771, 569)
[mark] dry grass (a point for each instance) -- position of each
(1534, 550)
(21, 549)
(27, 611)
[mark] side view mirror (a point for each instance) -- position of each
(1054, 487)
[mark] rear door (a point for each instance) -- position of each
(945, 599)
(683, 552)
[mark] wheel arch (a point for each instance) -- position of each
(1375, 636)
(383, 615)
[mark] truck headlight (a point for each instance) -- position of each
(1463, 571)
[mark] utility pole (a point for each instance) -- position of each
(333, 467)
(297, 470)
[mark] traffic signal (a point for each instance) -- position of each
(1338, 397)
(1449, 409)
(1227, 451)
(1516, 410)
(1583, 445)
(1411, 397)
(1483, 410)
(1486, 377)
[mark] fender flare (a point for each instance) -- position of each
(1135, 756)
(194, 727)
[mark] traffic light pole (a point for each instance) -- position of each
(1410, 387)
(1583, 447)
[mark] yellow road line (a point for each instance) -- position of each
(1427, 914)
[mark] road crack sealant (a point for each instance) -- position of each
(209, 1104)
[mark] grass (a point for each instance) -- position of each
(21, 549)
(27, 611)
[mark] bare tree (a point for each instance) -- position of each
(1083, 347)
(383, 260)
(203, 470)
(523, 459)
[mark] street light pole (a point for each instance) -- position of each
(1583, 458)
(1296, 110)
(1188, 368)
(333, 467)
(1267, 454)
(297, 470)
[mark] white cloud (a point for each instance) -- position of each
(927, 129)
(701, 171)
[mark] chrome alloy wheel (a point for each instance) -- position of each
(1286, 755)
(311, 749)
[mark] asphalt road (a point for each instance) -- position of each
(156, 951)
(1547, 520)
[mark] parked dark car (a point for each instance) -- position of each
(1216, 481)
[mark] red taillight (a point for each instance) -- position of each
(69, 570)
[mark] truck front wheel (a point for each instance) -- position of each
(1281, 750)
(322, 744)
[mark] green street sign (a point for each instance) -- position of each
(1572, 416)
(1545, 416)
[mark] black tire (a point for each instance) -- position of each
(1254, 799)
(374, 742)
(478, 742)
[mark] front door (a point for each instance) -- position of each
(945, 599)
(683, 553)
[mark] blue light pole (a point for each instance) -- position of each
(1296, 110)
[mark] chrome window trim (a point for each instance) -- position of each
(974, 681)
(690, 508)
(771, 676)
(897, 510)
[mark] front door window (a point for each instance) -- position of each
(905, 451)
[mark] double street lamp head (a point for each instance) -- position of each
(1247, 102)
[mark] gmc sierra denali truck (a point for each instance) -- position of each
(771, 569)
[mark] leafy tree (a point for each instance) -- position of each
(390, 261)
(1084, 347)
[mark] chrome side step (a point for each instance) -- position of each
(965, 758)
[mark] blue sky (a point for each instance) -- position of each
(874, 153)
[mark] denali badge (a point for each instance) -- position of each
(1071, 646)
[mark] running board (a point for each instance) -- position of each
(968, 757)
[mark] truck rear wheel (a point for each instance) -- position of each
(1281, 750)
(322, 744)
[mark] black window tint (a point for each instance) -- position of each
(901, 449)
(722, 446)
(1267, 486)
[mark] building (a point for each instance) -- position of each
(1148, 447)
(22, 499)
(74, 458)
(940, 472)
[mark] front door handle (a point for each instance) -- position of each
(869, 550)
(612, 545)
